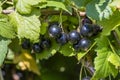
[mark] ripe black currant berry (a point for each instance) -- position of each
(86, 78)
(96, 29)
(76, 46)
(74, 37)
(45, 43)
(55, 30)
(62, 39)
(36, 48)
(26, 44)
(86, 30)
(84, 44)
(86, 20)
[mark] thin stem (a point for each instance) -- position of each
(111, 47)
(80, 77)
(116, 37)
(88, 50)
(61, 16)
(85, 72)
(61, 20)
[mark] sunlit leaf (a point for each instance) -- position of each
(6, 29)
(103, 67)
(114, 59)
(3, 49)
(55, 4)
(25, 6)
(27, 26)
(111, 23)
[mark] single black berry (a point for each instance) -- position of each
(86, 30)
(84, 44)
(96, 29)
(74, 37)
(76, 46)
(26, 44)
(86, 78)
(62, 39)
(36, 48)
(55, 30)
(45, 43)
(86, 20)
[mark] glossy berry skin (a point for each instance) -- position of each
(84, 44)
(45, 43)
(86, 78)
(76, 46)
(55, 30)
(74, 37)
(86, 30)
(26, 44)
(36, 48)
(63, 39)
(96, 29)
(86, 20)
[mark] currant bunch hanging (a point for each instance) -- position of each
(79, 39)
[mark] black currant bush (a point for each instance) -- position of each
(70, 39)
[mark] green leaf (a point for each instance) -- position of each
(25, 6)
(99, 9)
(27, 26)
(67, 50)
(43, 28)
(6, 29)
(81, 3)
(111, 23)
(102, 66)
(3, 49)
(114, 59)
(48, 52)
(54, 4)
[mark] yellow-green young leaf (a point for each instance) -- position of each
(6, 29)
(99, 9)
(27, 26)
(111, 23)
(55, 4)
(25, 6)
(114, 59)
(103, 67)
(80, 55)
(45, 54)
(28, 62)
(3, 49)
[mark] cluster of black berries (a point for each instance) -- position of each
(79, 39)
(38, 47)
